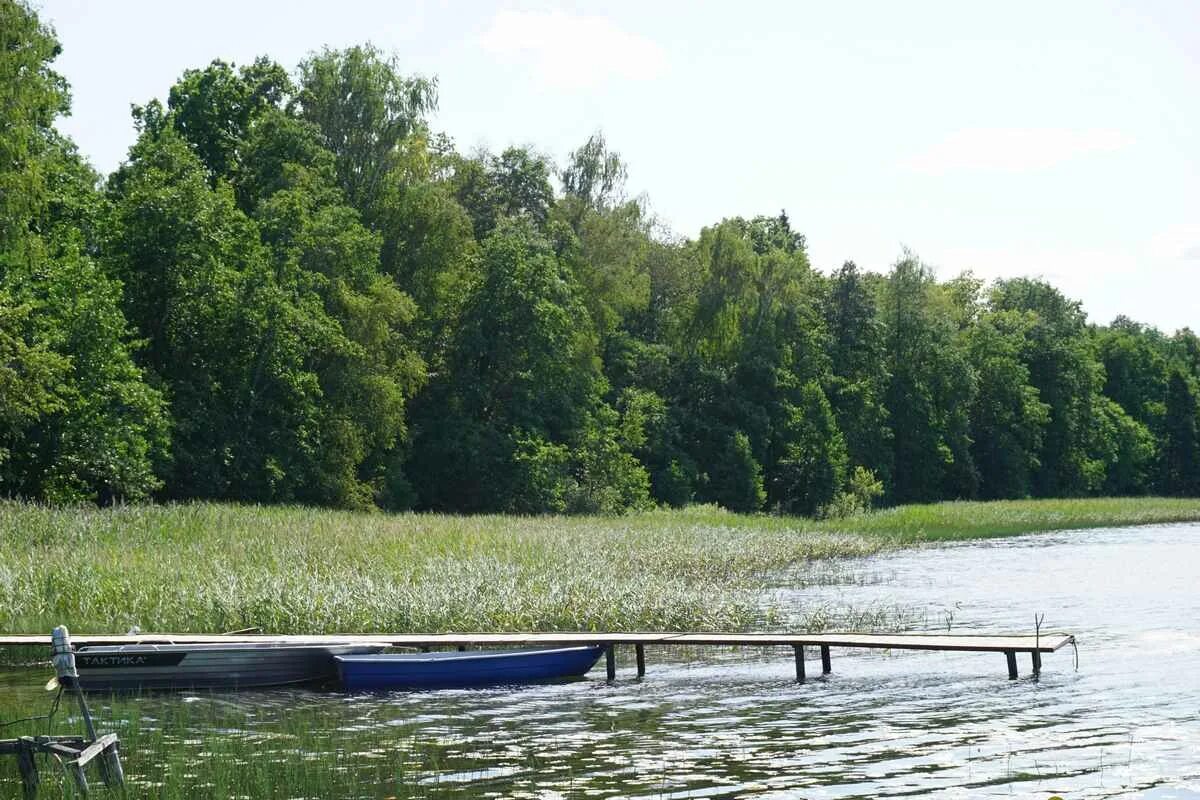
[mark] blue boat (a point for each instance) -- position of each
(449, 670)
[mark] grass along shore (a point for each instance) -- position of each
(212, 567)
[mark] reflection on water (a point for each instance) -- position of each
(733, 724)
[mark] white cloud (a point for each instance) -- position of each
(1177, 242)
(1013, 149)
(572, 52)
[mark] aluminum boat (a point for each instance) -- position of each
(209, 666)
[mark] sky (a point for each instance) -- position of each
(1059, 140)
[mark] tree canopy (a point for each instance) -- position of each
(294, 290)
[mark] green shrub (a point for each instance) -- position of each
(859, 496)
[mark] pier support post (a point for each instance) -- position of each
(114, 774)
(826, 667)
(81, 781)
(640, 650)
(610, 662)
(1037, 663)
(28, 769)
(1011, 656)
(799, 662)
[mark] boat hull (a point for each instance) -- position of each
(464, 669)
(231, 666)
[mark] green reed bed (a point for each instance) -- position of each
(213, 567)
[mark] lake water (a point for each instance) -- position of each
(722, 724)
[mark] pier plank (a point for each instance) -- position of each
(1045, 643)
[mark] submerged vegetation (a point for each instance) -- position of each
(211, 746)
(212, 567)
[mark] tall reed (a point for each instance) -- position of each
(213, 567)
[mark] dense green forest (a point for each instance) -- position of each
(293, 290)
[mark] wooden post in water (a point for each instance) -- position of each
(1037, 663)
(826, 667)
(81, 781)
(114, 773)
(640, 650)
(610, 661)
(799, 648)
(28, 769)
(1011, 656)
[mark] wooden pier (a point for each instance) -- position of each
(1010, 646)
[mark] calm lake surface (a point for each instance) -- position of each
(718, 724)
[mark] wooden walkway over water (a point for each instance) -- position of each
(1010, 646)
